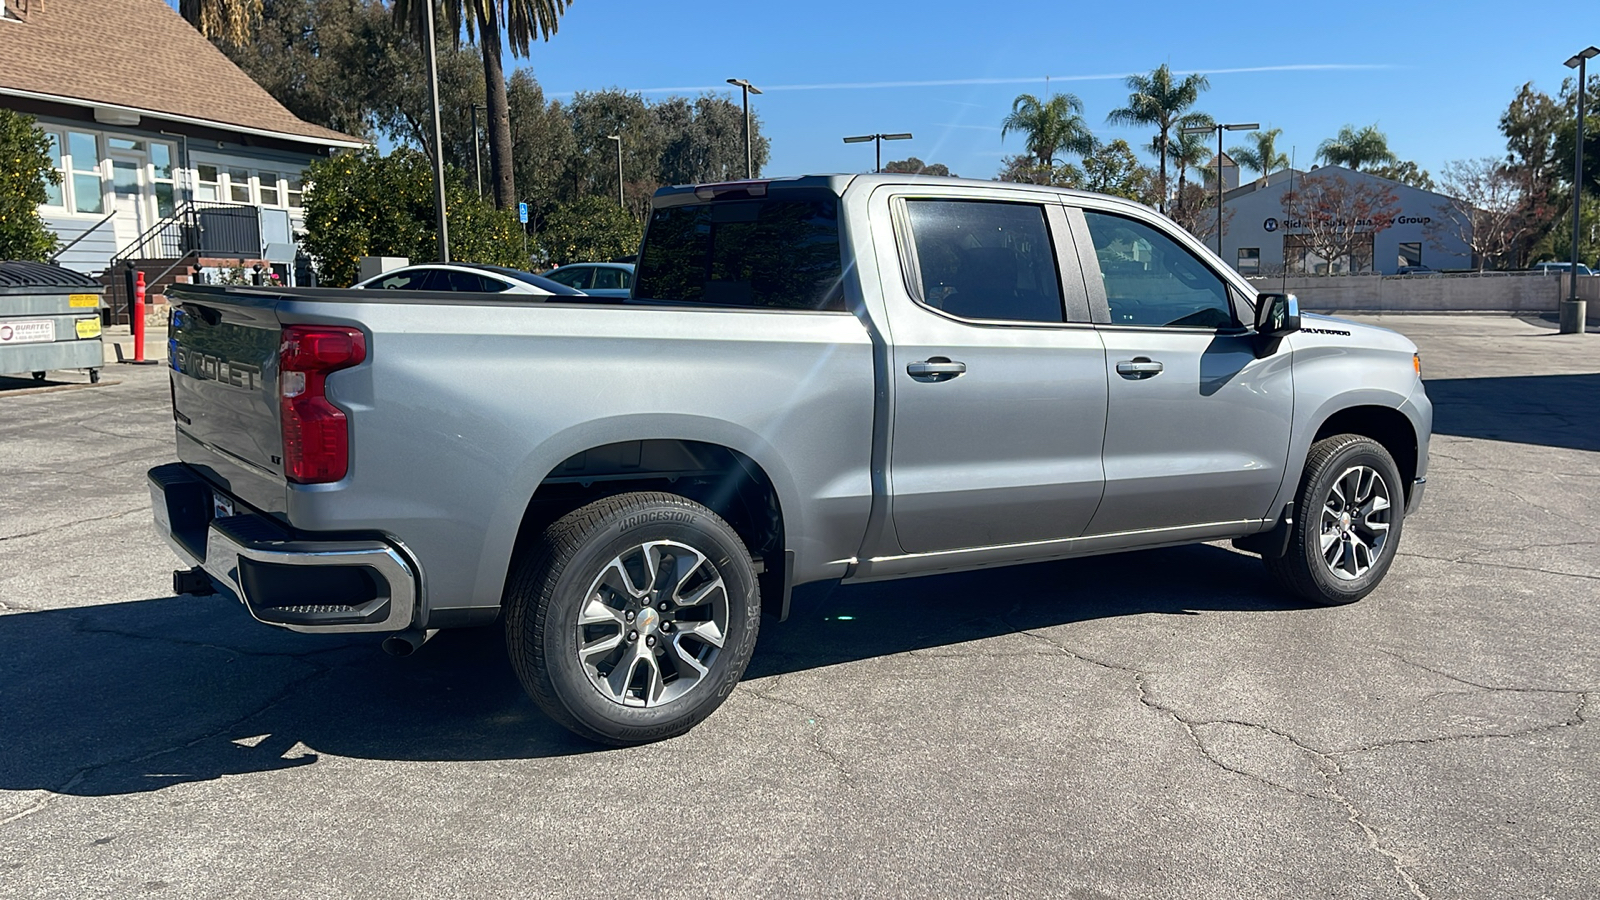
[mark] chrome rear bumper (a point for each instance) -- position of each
(311, 586)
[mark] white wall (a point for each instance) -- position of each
(1517, 292)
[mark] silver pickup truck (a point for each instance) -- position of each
(818, 379)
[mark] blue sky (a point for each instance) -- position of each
(1433, 76)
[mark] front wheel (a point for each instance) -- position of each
(1347, 520)
(633, 617)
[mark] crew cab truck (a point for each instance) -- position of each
(825, 378)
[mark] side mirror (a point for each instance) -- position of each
(1277, 315)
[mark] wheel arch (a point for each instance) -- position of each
(723, 478)
(1385, 424)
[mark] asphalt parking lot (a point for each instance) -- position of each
(1152, 725)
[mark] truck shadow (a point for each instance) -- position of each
(1552, 410)
(135, 697)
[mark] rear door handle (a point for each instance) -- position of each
(1139, 367)
(937, 368)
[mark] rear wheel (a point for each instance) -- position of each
(1348, 517)
(633, 617)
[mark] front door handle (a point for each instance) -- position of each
(1139, 367)
(937, 368)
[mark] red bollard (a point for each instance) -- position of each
(137, 320)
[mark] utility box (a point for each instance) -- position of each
(373, 266)
(49, 319)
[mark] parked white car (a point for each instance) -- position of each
(466, 277)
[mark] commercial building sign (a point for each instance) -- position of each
(1273, 223)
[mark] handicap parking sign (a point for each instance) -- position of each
(522, 213)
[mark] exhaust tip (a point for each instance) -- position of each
(405, 643)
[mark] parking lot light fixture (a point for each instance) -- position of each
(1219, 129)
(749, 157)
(1573, 309)
(877, 141)
(618, 138)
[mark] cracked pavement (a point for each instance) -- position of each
(1153, 725)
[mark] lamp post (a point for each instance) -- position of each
(749, 156)
(618, 138)
(1219, 129)
(877, 141)
(477, 157)
(1574, 309)
(438, 135)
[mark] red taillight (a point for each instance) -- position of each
(316, 437)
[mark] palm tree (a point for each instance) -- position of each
(490, 23)
(1187, 151)
(1261, 154)
(1158, 100)
(1053, 126)
(229, 21)
(1354, 148)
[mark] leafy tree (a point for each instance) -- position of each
(1485, 210)
(1050, 127)
(1115, 169)
(1406, 172)
(228, 20)
(1261, 155)
(541, 144)
(915, 166)
(1336, 217)
(1530, 124)
(1161, 100)
(592, 169)
(1356, 147)
(364, 204)
(1024, 169)
(491, 23)
(703, 140)
(1195, 208)
(590, 230)
(25, 176)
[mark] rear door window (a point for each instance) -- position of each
(980, 259)
(773, 253)
(472, 281)
(414, 280)
(609, 279)
(571, 277)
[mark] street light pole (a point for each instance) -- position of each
(1219, 128)
(749, 156)
(477, 156)
(877, 141)
(1574, 309)
(438, 135)
(618, 138)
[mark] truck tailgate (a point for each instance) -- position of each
(224, 358)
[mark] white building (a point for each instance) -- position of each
(168, 152)
(1260, 236)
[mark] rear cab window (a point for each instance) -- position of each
(779, 251)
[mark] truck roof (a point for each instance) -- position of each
(683, 194)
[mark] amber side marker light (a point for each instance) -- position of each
(1416, 363)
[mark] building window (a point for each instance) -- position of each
(293, 190)
(1249, 260)
(55, 194)
(116, 143)
(268, 182)
(1411, 254)
(162, 178)
(239, 185)
(208, 185)
(83, 152)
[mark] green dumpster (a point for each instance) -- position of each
(49, 319)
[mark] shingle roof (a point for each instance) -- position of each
(139, 54)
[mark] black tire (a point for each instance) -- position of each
(38, 376)
(552, 583)
(94, 376)
(1304, 570)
